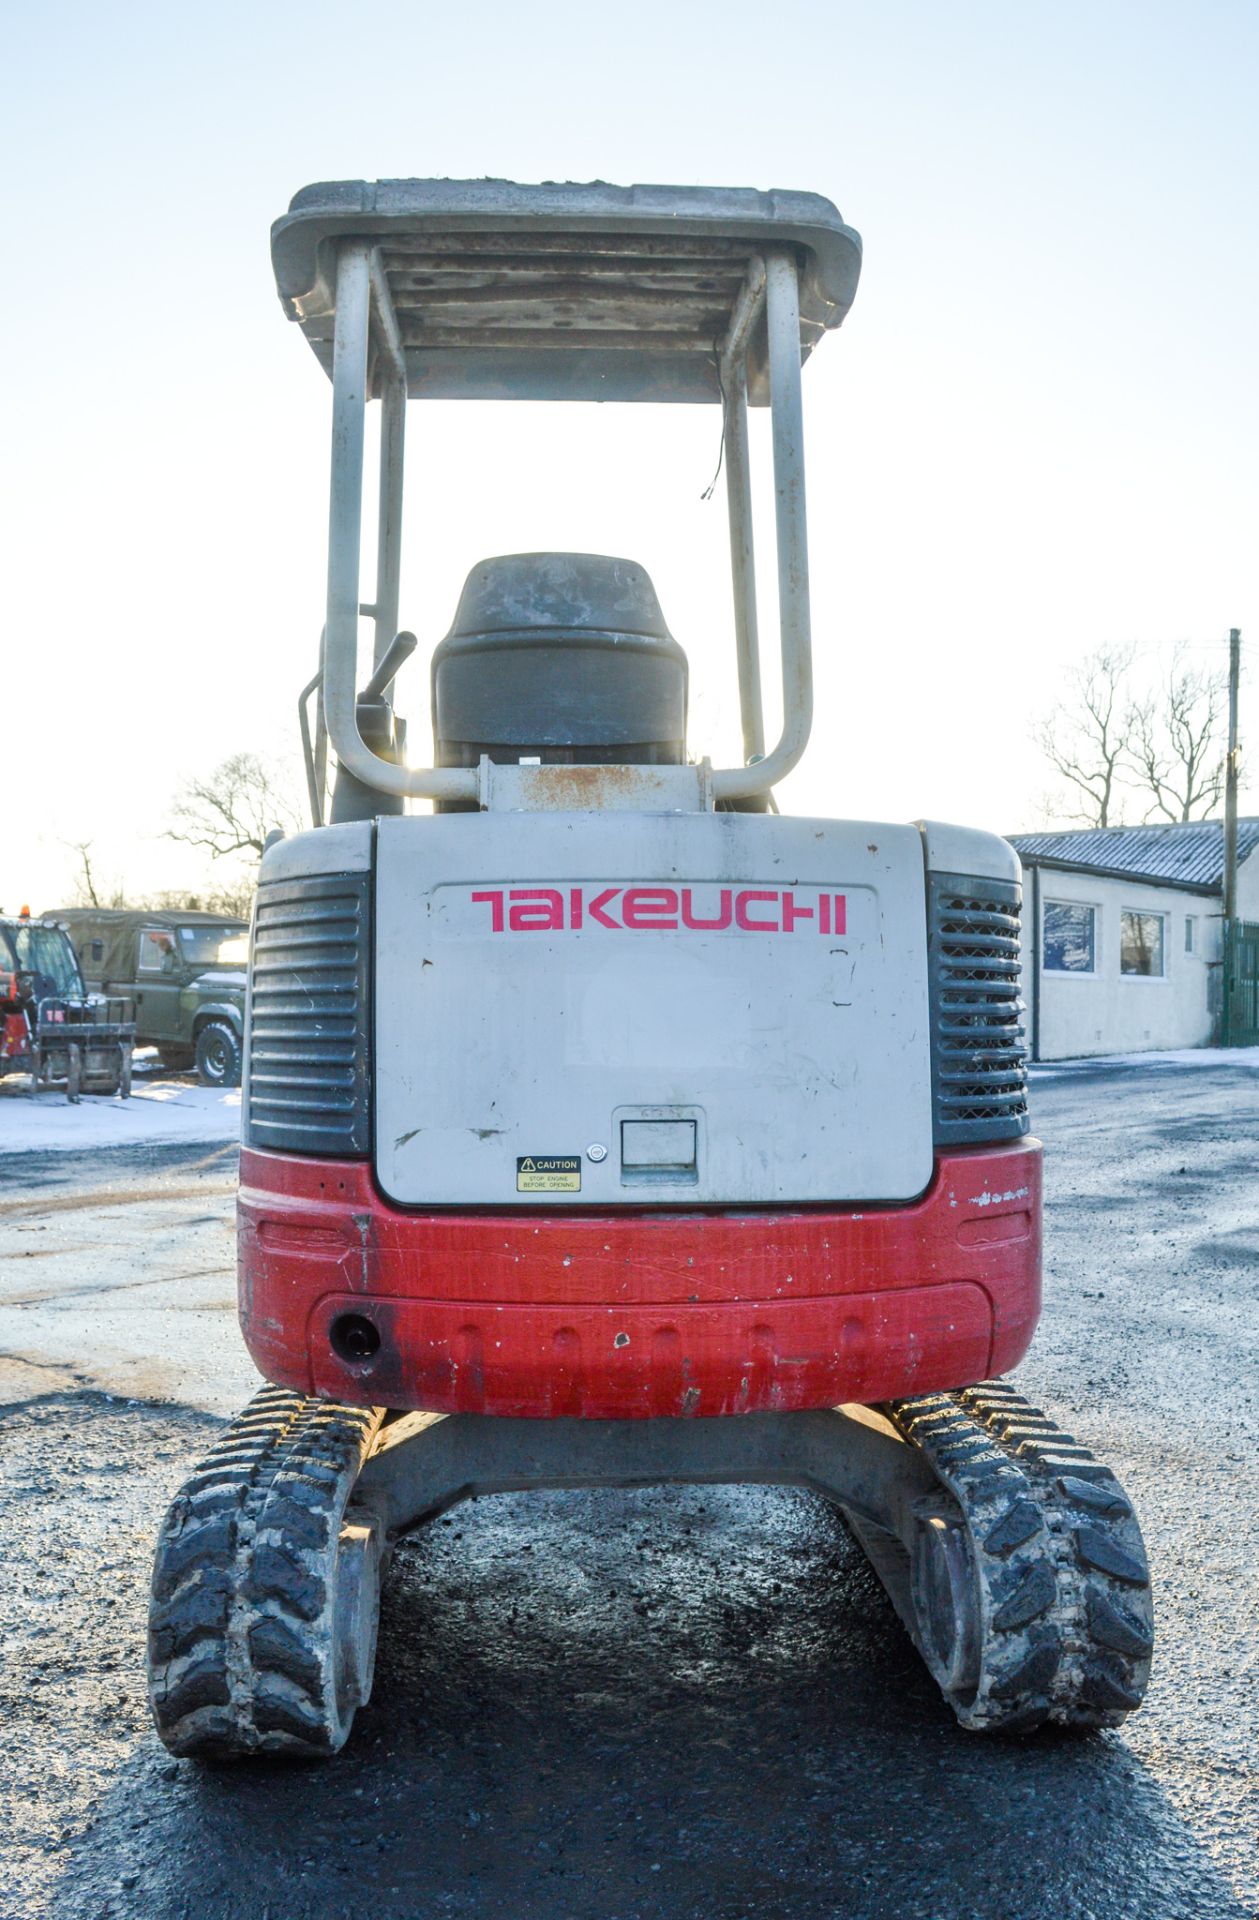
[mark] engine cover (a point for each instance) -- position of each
(593, 1010)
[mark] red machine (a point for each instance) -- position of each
(51, 1027)
(603, 1126)
(720, 1312)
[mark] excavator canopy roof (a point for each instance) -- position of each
(563, 292)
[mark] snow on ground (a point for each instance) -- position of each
(1176, 1057)
(160, 1108)
(169, 1107)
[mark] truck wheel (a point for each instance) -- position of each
(218, 1055)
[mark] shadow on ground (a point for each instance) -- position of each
(683, 1703)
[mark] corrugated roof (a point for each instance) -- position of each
(1186, 854)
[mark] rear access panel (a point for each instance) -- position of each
(594, 1010)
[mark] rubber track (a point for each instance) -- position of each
(241, 1630)
(1066, 1619)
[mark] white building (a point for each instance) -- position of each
(1122, 934)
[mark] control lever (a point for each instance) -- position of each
(395, 656)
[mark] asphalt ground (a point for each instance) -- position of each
(683, 1702)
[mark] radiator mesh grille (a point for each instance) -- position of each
(308, 1077)
(978, 1053)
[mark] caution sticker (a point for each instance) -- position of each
(548, 1173)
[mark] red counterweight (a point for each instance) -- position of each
(636, 1315)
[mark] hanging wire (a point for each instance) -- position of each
(721, 451)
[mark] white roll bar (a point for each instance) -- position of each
(351, 342)
(365, 321)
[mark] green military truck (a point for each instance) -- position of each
(184, 971)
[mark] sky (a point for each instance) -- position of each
(1035, 434)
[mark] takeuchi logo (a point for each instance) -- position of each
(660, 909)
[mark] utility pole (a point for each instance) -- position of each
(1230, 830)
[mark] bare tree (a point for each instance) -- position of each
(89, 890)
(85, 894)
(232, 810)
(1086, 736)
(231, 896)
(1176, 749)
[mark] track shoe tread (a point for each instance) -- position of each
(242, 1653)
(1066, 1623)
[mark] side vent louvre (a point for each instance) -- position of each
(308, 1071)
(978, 1055)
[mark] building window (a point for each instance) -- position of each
(1141, 944)
(1069, 938)
(1190, 933)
